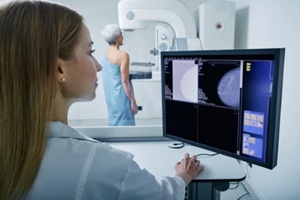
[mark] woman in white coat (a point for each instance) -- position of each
(46, 64)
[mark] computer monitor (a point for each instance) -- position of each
(227, 101)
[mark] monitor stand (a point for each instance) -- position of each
(205, 190)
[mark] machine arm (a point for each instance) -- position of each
(135, 14)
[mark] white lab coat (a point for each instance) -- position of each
(77, 167)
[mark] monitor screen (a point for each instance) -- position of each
(227, 101)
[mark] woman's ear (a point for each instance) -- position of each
(61, 71)
(117, 37)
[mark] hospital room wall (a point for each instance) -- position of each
(268, 24)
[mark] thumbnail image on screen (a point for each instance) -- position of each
(227, 101)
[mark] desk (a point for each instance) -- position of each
(160, 159)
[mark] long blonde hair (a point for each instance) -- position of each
(33, 35)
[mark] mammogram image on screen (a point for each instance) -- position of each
(229, 88)
(185, 77)
(219, 83)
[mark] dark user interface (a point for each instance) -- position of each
(220, 103)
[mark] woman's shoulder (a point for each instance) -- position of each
(124, 55)
(116, 57)
(120, 55)
(109, 164)
(111, 154)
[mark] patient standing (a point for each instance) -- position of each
(120, 101)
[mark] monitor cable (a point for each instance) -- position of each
(207, 154)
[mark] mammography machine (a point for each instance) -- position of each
(177, 28)
(136, 14)
(216, 22)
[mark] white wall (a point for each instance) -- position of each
(276, 23)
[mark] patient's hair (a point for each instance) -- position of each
(33, 36)
(110, 32)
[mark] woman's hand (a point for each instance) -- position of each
(134, 107)
(188, 168)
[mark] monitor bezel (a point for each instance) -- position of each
(274, 118)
